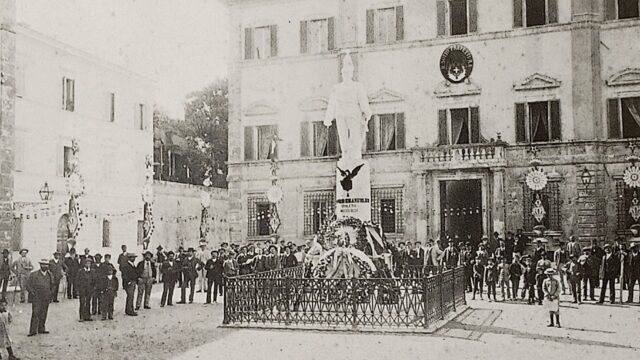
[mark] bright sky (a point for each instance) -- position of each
(182, 44)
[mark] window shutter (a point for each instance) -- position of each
(16, 236)
(72, 95)
(370, 30)
(520, 126)
(64, 81)
(517, 13)
(399, 23)
(613, 113)
(371, 134)
(140, 232)
(443, 134)
(304, 139)
(248, 143)
(473, 16)
(331, 27)
(304, 27)
(474, 135)
(248, 43)
(274, 40)
(552, 11)
(332, 141)
(441, 9)
(555, 126)
(400, 132)
(610, 10)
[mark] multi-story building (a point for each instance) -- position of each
(60, 94)
(448, 154)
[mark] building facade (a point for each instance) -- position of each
(62, 95)
(554, 81)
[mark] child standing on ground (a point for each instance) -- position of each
(5, 320)
(490, 278)
(478, 277)
(503, 278)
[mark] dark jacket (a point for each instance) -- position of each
(39, 286)
(530, 276)
(5, 267)
(214, 268)
(56, 269)
(515, 271)
(129, 274)
(169, 271)
(190, 267)
(633, 264)
(104, 285)
(140, 268)
(290, 261)
(73, 265)
(85, 281)
(610, 268)
(122, 259)
(259, 263)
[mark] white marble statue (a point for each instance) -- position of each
(349, 105)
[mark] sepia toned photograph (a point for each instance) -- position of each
(319, 179)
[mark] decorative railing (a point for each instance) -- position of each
(402, 303)
(296, 271)
(461, 153)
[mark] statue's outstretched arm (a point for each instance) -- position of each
(363, 100)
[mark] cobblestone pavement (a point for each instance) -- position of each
(487, 330)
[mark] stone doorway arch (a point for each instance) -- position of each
(62, 234)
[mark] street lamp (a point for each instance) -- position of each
(45, 193)
(586, 177)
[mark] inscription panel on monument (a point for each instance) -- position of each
(353, 190)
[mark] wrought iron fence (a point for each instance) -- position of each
(358, 303)
(296, 271)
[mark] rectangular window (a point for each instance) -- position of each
(527, 13)
(538, 121)
(261, 42)
(66, 164)
(325, 140)
(624, 118)
(318, 207)
(385, 25)
(386, 209)
(140, 117)
(68, 94)
(386, 132)
(140, 232)
(459, 126)
(456, 17)
(112, 107)
(550, 200)
(106, 233)
(260, 142)
(16, 236)
(317, 36)
(258, 214)
(621, 9)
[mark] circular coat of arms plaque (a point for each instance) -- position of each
(456, 63)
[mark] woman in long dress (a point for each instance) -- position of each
(551, 301)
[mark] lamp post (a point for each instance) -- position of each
(45, 193)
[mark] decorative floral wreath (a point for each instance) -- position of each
(327, 233)
(631, 176)
(320, 270)
(536, 180)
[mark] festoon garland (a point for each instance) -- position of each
(147, 197)
(75, 188)
(205, 202)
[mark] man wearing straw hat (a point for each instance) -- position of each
(56, 268)
(39, 285)
(22, 268)
(551, 301)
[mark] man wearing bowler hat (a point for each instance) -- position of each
(39, 285)
(129, 280)
(5, 272)
(146, 273)
(22, 268)
(190, 267)
(56, 268)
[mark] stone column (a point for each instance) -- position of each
(585, 74)
(497, 201)
(7, 117)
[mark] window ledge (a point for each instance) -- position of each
(620, 23)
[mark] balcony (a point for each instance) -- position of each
(466, 156)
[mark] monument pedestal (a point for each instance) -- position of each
(353, 189)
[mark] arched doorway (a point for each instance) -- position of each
(62, 234)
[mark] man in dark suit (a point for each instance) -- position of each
(72, 264)
(122, 258)
(129, 281)
(609, 271)
(169, 270)
(190, 267)
(56, 268)
(5, 272)
(633, 264)
(213, 269)
(98, 270)
(39, 285)
(107, 289)
(85, 283)
(86, 256)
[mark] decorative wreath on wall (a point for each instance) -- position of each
(536, 179)
(631, 176)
